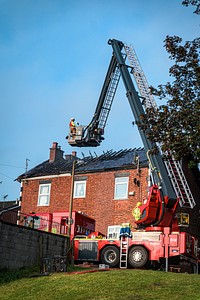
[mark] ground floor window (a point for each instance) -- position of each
(44, 194)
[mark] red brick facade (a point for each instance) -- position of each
(99, 175)
(99, 202)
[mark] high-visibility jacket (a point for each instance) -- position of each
(72, 124)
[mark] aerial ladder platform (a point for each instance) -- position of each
(166, 173)
(155, 218)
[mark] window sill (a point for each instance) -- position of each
(121, 199)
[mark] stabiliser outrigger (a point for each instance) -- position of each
(158, 213)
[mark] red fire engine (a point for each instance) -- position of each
(158, 237)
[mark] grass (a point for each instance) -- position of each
(8, 276)
(113, 284)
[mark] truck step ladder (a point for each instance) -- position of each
(110, 94)
(124, 244)
(173, 166)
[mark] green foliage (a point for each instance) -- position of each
(193, 2)
(176, 124)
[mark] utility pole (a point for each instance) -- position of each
(70, 220)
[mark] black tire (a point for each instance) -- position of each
(138, 257)
(110, 256)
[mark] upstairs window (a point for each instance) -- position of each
(121, 188)
(79, 189)
(44, 194)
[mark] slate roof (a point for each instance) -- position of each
(110, 160)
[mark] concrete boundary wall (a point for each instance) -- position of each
(23, 247)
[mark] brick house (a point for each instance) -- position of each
(106, 187)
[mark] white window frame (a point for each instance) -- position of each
(76, 183)
(124, 181)
(47, 195)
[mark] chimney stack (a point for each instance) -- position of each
(55, 152)
(71, 156)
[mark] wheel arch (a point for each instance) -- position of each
(140, 245)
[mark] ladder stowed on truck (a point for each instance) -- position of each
(124, 245)
(124, 236)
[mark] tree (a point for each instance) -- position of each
(176, 124)
(193, 2)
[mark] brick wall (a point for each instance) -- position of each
(23, 247)
(99, 202)
(9, 216)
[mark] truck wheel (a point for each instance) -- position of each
(138, 257)
(110, 256)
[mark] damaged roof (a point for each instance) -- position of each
(110, 160)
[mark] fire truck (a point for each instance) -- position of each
(158, 238)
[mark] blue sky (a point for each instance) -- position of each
(53, 59)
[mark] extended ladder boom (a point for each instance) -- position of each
(107, 96)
